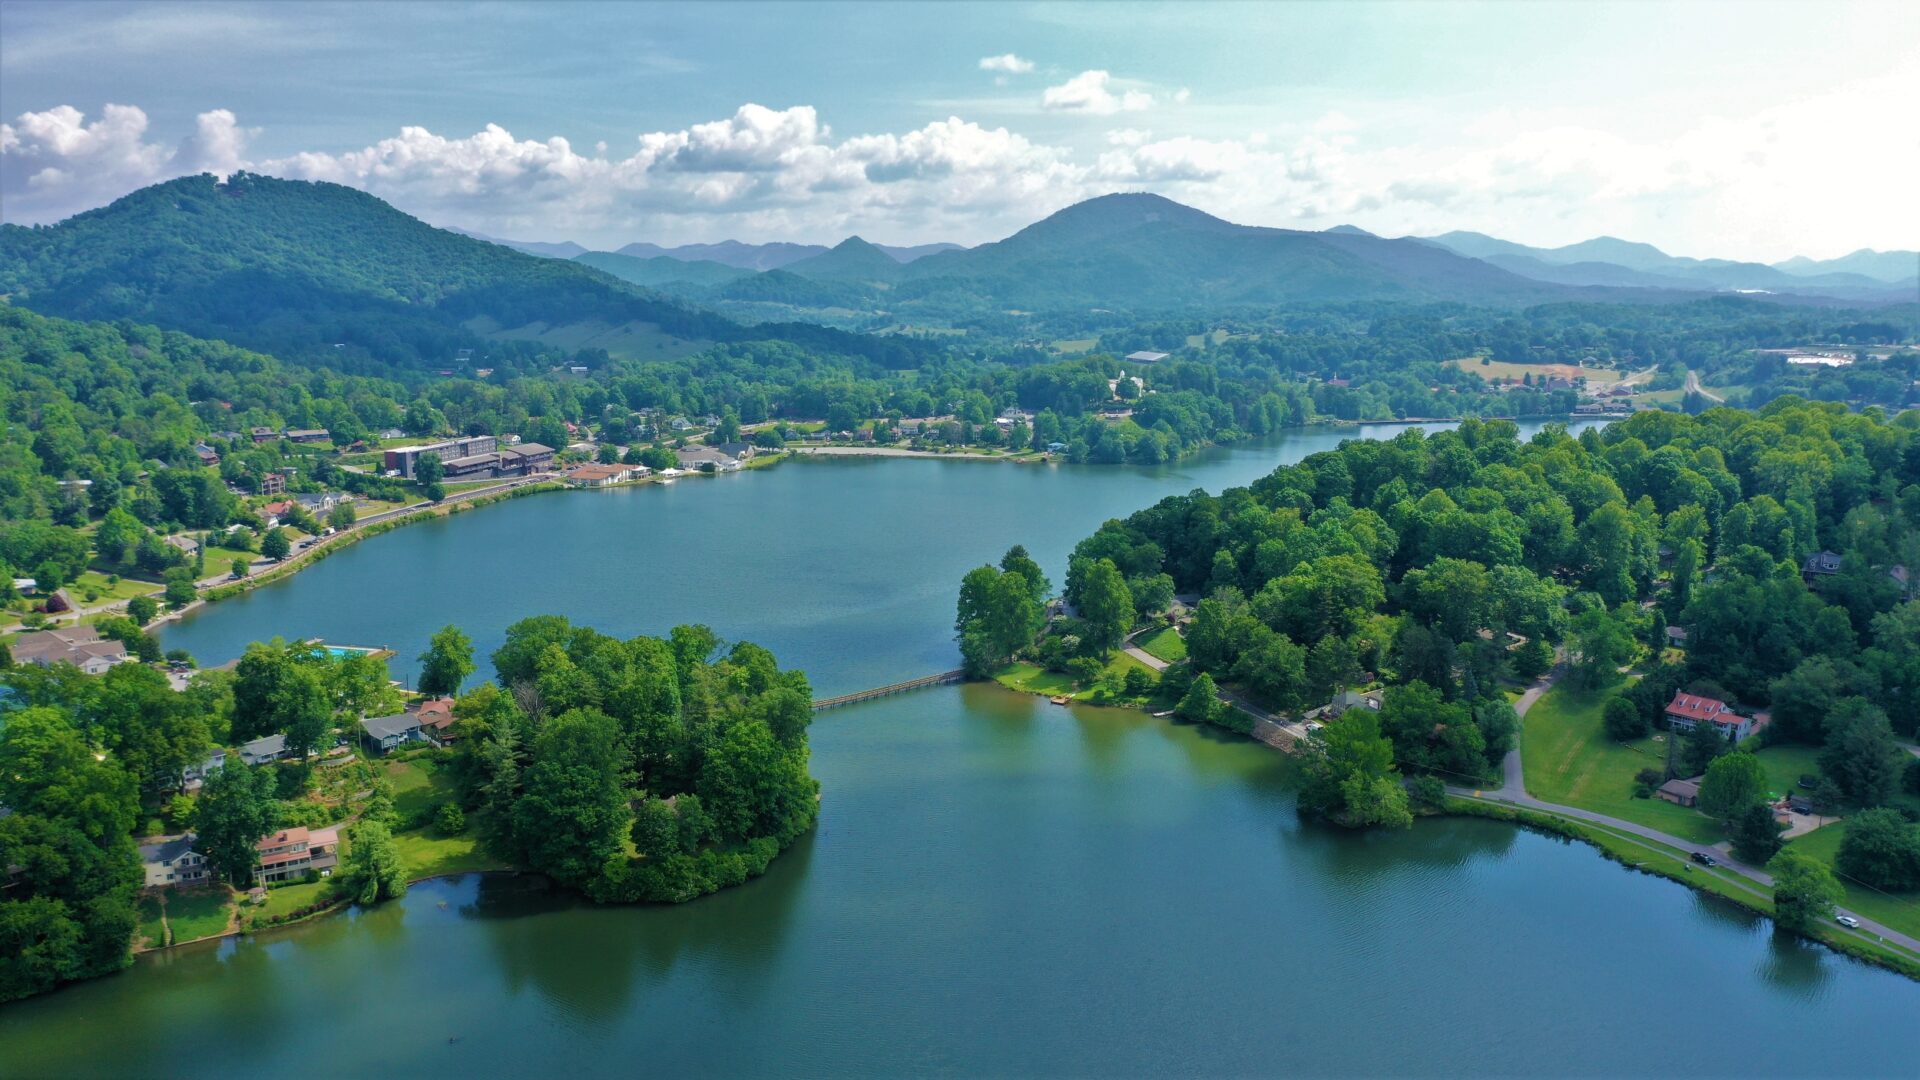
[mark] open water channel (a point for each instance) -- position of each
(996, 886)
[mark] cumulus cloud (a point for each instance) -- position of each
(1093, 92)
(56, 162)
(1007, 64)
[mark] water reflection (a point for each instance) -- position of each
(1797, 966)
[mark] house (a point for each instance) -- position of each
(174, 862)
(263, 434)
(184, 544)
(1339, 384)
(1353, 699)
(262, 750)
(1679, 792)
(192, 776)
(25, 586)
(738, 451)
(273, 483)
(1677, 636)
(598, 475)
(310, 435)
(1687, 710)
(384, 733)
(208, 455)
(291, 853)
(1824, 564)
(705, 457)
(276, 510)
(81, 646)
(1144, 357)
(436, 720)
(322, 503)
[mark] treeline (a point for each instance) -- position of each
(1443, 564)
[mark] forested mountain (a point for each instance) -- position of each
(767, 256)
(564, 249)
(1892, 266)
(661, 271)
(853, 259)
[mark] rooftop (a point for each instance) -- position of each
(388, 727)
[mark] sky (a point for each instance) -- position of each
(1751, 131)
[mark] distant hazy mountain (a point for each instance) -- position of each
(1608, 261)
(566, 249)
(771, 256)
(1350, 230)
(661, 270)
(1889, 266)
(1146, 252)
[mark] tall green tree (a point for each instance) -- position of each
(1804, 891)
(446, 663)
(1733, 782)
(373, 870)
(572, 816)
(1105, 604)
(236, 808)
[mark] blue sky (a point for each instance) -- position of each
(1751, 131)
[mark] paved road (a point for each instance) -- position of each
(1694, 387)
(1513, 791)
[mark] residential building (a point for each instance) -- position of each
(436, 720)
(598, 475)
(184, 544)
(25, 586)
(1353, 699)
(407, 458)
(290, 853)
(738, 451)
(1679, 792)
(703, 457)
(322, 503)
(174, 862)
(263, 434)
(1687, 710)
(384, 733)
(1144, 357)
(81, 646)
(208, 455)
(1823, 564)
(1677, 636)
(262, 750)
(276, 510)
(310, 435)
(273, 483)
(194, 775)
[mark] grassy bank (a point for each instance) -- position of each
(1569, 759)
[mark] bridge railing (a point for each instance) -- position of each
(953, 676)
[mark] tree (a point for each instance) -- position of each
(1350, 775)
(342, 516)
(446, 663)
(997, 617)
(429, 471)
(275, 545)
(1201, 704)
(275, 690)
(1602, 641)
(1756, 834)
(1532, 660)
(1733, 782)
(1861, 756)
(1624, 720)
(1882, 849)
(180, 590)
(1106, 605)
(1017, 561)
(573, 813)
(373, 870)
(239, 568)
(1804, 892)
(236, 809)
(142, 609)
(1701, 744)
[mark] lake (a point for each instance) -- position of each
(996, 886)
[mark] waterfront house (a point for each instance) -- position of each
(81, 646)
(291, 853)
(1686, 711)
(264, 749)
(1679, 792)
(384, 733)
(738, 451)
(174, 862)
(436, 721)
(704, 457)
(598, 475)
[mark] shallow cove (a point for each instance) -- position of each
(997, 885)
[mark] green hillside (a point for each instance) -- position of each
(661, 271)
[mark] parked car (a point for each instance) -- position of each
(1847, 921)
(1705, 859)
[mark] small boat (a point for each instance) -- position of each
(1060, 699)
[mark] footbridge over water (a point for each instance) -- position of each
(944, 677)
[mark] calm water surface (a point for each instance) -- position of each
(997, 886)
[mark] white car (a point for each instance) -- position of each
(1847, 921)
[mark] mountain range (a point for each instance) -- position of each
(1607, 261)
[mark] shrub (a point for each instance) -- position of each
(1429, 791)
(449, 820)
(1624, 721)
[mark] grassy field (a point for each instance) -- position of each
(151, 933)
(1165, 644)
(288, 899)
(419, 786)
(1075, 345)
(1501, 369)
(194, 915)
(1569, 759)
(125, 589)
(1034, 679)
(1901, 911)
(1785, 765)
(426, 854)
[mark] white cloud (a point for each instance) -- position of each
(1006, 63)
(1127, 137)
(1092, 92)
(55, 163)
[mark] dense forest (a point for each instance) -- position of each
(1444, 564)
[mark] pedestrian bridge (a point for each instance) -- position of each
(954, 676)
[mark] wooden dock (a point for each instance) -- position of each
(944, 677)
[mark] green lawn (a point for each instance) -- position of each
(194, 915)
(425, 853)
(1901, 911)
(220, 559)
(1033, 679)
(419, 786)
(1569, 759)
(152, 933)
(1164, 644)
(126, 589)
(1785, 765)
(288, 899)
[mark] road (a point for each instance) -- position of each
(1513, 792)
(1694, 387)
